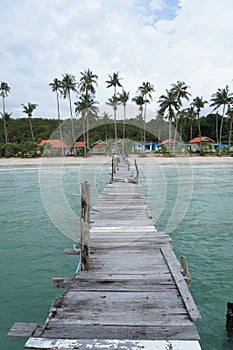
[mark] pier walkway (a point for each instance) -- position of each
(134, 295)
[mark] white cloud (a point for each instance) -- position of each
(157, 4)
(41, 40)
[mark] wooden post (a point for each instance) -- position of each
(112, 167)
(186, 270)
(229, 319)
(117, 162)
(84, 226)
(137, 170)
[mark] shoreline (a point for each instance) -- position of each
(101, 159)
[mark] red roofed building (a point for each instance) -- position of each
(54, 147)
(201, 143)
(99, 147)
(54, 143)
(167, 142)
(80, 144)
(170, 144)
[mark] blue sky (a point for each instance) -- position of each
(160, 41)
(158, 10)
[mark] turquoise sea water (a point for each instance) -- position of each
(196, 203)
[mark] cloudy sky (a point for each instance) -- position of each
(160, 41)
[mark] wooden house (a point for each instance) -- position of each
(99, 147)
(54, 147)
(201, 143)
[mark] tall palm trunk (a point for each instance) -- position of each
(115, 124)
(230, 131)
(84, 133)
(88, 126)
(170, 129)
(72, 123)
(31, 129)
(181, 132)
(191, 129)
(144, 129)
(174, 141)
(4, 124)
(59, 118)
(199, 129)
(216, 128)
(221, 127)
(124, 130)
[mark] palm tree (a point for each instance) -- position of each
(56, 87)
(222, 98)
(145, 90)
(29, 110)
(88, 81)
(114, 81)
(4, 91)
(198, 103)
(123, 98)
(230, 115)
(168, 103)
(87, 84)
(68, 86)
(180, 91)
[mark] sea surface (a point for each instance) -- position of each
(193, 203)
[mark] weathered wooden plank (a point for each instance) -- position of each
(124, 285)
(149, 228)
(128, 275)
(22, 330)
(124, 297)
(126, 244)
(97, 344)
(147, 332)
(121, 266)
(134, 319)
(181, 284)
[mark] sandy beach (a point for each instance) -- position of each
(97, 160)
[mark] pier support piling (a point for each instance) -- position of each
(229, 319)
(84, 226)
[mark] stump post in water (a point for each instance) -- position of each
(137, 170)
(112, 175)
(186, 270)
(229, 319)
(84, 226)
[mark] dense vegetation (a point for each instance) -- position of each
(172, 120)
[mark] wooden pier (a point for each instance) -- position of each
(133, 295)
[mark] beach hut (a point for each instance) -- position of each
(169, 144)
(201, 143)
(54, 147)
(149, 147)
(99, 147)
(79, 146)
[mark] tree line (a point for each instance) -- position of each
(177, 110)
